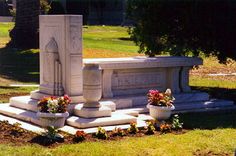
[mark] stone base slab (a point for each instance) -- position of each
(25, 102)
(37, 95)
(213, 103)
(18, 113)
(85, 112)
(115, 119)
(134, 101)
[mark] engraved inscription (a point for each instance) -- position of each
(137, 80)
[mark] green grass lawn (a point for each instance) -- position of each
(210, 132)
(216, 141)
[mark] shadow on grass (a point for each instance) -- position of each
(212, 120)
(219, 93)
(209, 120)
(125, 38)
(19, 65)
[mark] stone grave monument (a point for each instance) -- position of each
(104, 92)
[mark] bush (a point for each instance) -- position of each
(101, 133)
(79, 136)
(184, 27)
(150, 127)
(133, 129)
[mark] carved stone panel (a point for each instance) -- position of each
(137, 81)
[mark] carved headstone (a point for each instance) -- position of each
(60, 57)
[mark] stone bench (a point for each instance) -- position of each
(135, 76)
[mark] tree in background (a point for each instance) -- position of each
(25, 33)
(184, 27)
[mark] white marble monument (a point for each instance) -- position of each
(60, 57)
(104, 92)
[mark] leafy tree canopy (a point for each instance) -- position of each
(181, 27)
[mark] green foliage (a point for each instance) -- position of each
(176, 124)
(150, 127)
(52, 133)
(44, 6)
(101, 133)
(56, 7)
(133, 129)
(181, 27)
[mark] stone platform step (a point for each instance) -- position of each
(114, 119)
(141, 122)
(141, 100)
(18, 113)
(25, 102)
(23, 124)
(213, 103)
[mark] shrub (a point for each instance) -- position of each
(133, 129)
(165, 127)
(79, 136)
(176, 124)
(101, 133)
(150, 127)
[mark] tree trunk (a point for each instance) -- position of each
(25, 34)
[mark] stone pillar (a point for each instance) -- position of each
(184, 79)
(173, 79)
(106, 87)
(92, 92)
(66, 31)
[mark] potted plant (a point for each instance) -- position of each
(160, 104)
(53, 111)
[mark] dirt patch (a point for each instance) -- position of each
(13, 134)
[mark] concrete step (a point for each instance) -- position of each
(182, 107)
(132, 111)
(18, 113)
(213, 103)
(24, 102)
(114, 119)
(23, 124)
(141, 100)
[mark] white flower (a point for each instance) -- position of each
(168, 92)
(52, 106)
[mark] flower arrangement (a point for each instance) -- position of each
(158, 98)
(54, 104)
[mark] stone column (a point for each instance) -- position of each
(92, 93)
(173, 79)
(106, 87)
(184, 79)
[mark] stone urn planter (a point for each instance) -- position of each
(160, 112)
(160, 104)
(52, 119)
(53, 111)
